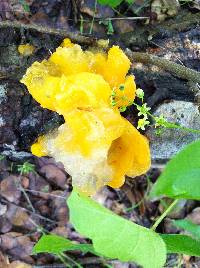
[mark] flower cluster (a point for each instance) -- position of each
(89, 88)
(143, 110)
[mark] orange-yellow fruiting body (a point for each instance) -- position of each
(38, 149)
(26, 49)
(96, 144)
(67, 43)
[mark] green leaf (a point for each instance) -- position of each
(56, 244)
(110, 29)
(113, 236)
(25, 5)
(181, 177)
(130, 1)
(177, 243)
(111, 3)
(189, 226)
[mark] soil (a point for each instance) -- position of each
(35, 200)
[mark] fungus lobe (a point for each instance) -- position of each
(96, 144)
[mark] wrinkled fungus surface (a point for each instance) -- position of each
(96, 144)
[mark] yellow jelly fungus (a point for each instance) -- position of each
(116, 67)
(37, 148)
(26, 49)
(96, 144)
(129, 154)
(77, 95)
(67, 43)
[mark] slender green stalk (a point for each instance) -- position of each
(64, 261)
(185, 128)
(71, 260)
(81, 24)
(162, 216)
(92, 23)
(172, 125)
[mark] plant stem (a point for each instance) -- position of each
(92, 23)
(71, 260)
(81, 24)
(63, 260)
(162, 216)
(185, 128)
(173, 125)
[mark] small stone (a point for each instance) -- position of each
(38, 185)
(43, 206)
(194, 216)
(17, 245)
(5, 225)
(171, 141)
(3, 261)
(61, 231)
(7, 241)
(17, 216)
(9, 189)
(55, 175)
(59, 208)
(25, 182)
(42, 161)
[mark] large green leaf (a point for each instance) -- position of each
(177, 243)
(189, 226)
(115, 237)
(56, 244)
(181, 177)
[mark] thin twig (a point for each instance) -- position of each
(172, 67)
(32, 213)
(127, 18)
(43, 29)
(92, 23)
(25, 194)
(43, 193)
(21, 188)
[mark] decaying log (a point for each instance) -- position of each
(22, 119)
